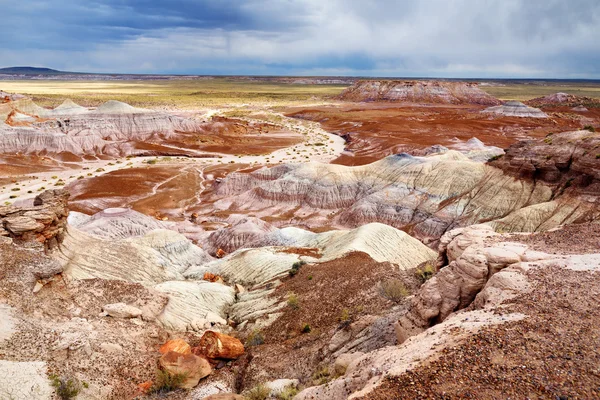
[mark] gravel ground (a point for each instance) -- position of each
(571, 239)
(552, 354)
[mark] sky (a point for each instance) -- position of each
(426, 38)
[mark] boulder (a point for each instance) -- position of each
(192, 366)
(176, 345)
(218, 345)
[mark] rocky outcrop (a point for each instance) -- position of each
(516, 109)
(440, 92)
(568, 160)
(44, 222)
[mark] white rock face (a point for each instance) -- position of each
(192, 304)
(24, 381)
(159, 256)
(116, 223)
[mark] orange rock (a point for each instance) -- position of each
(176, 345)
(144, 387)
(218, 345)
(193, 367)
(212, 277)
(220, 253)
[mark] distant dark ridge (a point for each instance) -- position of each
(31, 71)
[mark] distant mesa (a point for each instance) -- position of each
(516, 109)
(436, 92)
(564, 99)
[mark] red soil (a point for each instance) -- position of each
(374, 131)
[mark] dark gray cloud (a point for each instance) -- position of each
(462, 38)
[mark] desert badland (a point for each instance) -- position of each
(239, 238)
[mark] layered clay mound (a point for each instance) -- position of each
(437, 92)
(426, 196)
(114, 128)
(563, 99)
(116, 223)
(516, 109)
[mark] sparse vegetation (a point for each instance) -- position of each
(589, 128)
(259, 392)
(65, 388)
(321, 376)
(292, 300)
(287, 393)
(394, 290)
(165, 382)
(425, 272)
(296, 267)
(256, 338)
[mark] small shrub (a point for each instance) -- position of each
(309, 277)
(13, 196)
(15, 189)
(321, 376)
(296, 267)
(496, 157)
(597, 156)
(589, 128)
(100, 170)
(54, 177)
(548, 140)
(393, 290)
(65, 388)
(255, 338)
(259, 392)
(166, 382)
(287, 393)
(425, 272)
(345, 316)
(306, 328)
(293, 300)
(150, 162)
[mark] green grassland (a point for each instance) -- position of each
(182, 94)
(530, 90)
(232, 92)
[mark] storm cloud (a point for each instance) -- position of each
(437, 38)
